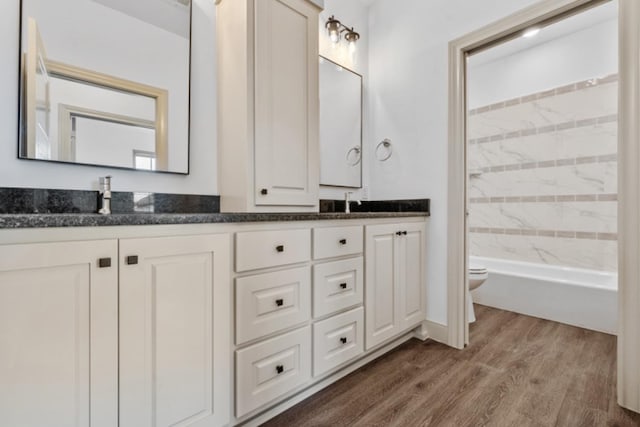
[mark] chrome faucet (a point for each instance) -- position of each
(105, 195)
(347, 201)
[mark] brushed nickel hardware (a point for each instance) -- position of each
(347, 201)
(386, 144)
(105, 195)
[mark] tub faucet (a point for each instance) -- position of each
(105, 195)
(347, 201)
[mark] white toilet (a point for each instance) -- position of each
(477, 276)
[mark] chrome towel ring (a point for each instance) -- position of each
(384, 150)
(358, 156)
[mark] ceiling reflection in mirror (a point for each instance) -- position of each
(106, 82)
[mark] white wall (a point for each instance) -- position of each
(408, 71)
(203, 157)
(591, 52)
(354, 14)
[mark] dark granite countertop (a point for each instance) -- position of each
(8, 221)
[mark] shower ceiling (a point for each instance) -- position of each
(573, 24)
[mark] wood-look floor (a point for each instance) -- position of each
(518, 371)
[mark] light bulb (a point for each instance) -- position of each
(531, 32)
(352, 46)
(334, 36)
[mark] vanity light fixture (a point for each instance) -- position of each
(335, 28)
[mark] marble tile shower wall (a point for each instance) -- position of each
(543, 177)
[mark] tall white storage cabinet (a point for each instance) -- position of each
(268, 109)
(174, 331)
(395, 280)
(59, 334)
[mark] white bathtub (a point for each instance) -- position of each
(579, 297)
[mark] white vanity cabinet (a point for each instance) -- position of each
(269, 302)
(129, 332)
(59, 334)
(395, 280)
(174, 331)
(268, 105)
(338, 285)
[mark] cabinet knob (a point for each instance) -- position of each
(264, 191)
(104, 262)
(279, 369)
(343, 285)
(279, 302)
(131, 260)
(398, 233)
(343, 340)
(343, 241)
(280, 248)
(404, 233)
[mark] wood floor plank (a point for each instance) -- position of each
(518, 371)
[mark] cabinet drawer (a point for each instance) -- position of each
(337, 241)
(337, 285)
(272, 368)
(337, 340)
(263, 249)
(267, 303)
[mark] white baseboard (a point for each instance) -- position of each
(436, 331)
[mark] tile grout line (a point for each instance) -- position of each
(602, 197)
(561, 90)
(565, 234)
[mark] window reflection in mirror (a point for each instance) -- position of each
(106, 80)
(340, 125)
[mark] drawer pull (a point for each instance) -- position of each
(398, 233)
(264, 191)
(343, 285)
(343, 241)
(404, 233)
(132, 260)
(343, 340)
(279, 302)
(104, 262)
(279, 369)
(280, 248)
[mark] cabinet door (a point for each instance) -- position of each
(59, 334)
(174, 331)
(411, 274)
(381, 299)
(286, 103)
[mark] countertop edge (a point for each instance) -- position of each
(17, 221)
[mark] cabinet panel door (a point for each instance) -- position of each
(286, 103)
(174, 331)
(381, 299)
(58, 334)
(411, 274)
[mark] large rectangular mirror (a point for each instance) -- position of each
(340, 125)
(106, 82)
